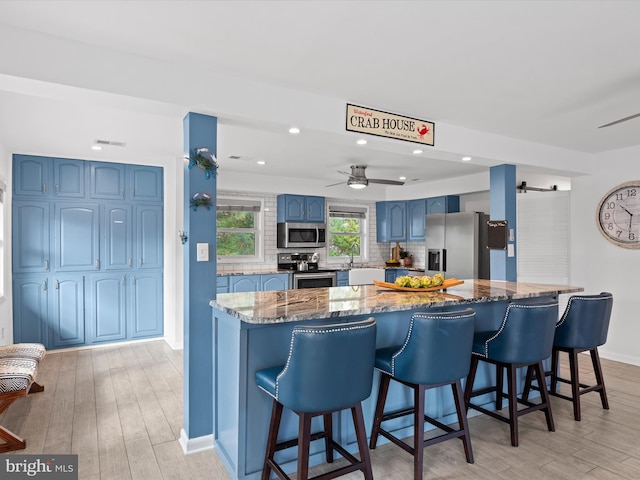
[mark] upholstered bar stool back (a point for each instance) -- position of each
(436, 352)
(329, 368)
(582, 327)
(525, 338)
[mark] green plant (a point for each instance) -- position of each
(404, 254)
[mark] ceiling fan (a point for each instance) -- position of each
(630, 117)
(358, 179)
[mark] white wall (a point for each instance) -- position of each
(598, 265)
(6, 311)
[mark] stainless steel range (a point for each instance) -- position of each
(306, 273)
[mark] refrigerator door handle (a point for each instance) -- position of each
(444, 260)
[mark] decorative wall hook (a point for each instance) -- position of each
(201, 200)
(183, 236)
(204, 159)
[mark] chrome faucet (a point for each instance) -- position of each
(351, 256)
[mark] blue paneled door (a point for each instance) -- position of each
(245, 283)
(107, 307)
(66, 321)
(314, 209)
(31, 239)
(68, 178)
(107, 181)
(145, 184)
(274, 282)
(397, 221)
(76, 237)
(149, 236)
(146, 305)
(31, 176)
(30, 309)
(416, 219)
(117, 237)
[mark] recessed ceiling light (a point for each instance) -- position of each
(466, 159)
(261, 162)
(417, 152)
(294, 130)
(402, 178)
(96, 147)
(362, 141)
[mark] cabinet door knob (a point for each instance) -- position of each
(129, 262)
(44, 285)
(122, 192)
(57, 189)
(122, 280)
(46, 265)
(133, 279)
(140, 262)
(44, 188)
(133, 192)
(57, 284)
(97, 264)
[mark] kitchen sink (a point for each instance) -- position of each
(365, 276)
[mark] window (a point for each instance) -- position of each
(239, 230)
(347, 233)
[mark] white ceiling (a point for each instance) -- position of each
(542, 72)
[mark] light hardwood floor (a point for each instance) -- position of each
(120, 409)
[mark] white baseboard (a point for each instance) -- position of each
(193, 445)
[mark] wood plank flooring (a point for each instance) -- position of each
(120, 409)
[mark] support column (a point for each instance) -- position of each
(199, 289)
(502, 200)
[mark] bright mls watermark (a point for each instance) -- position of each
(49, 467)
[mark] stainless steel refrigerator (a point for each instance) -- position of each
(456, 245)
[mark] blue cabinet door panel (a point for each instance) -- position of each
(397, 221)
(146, 310)
(416, 212)
(149, 232)
(31, 242)
(117, 236)
(31, 175)
(245, 283)
(30, 309)
(66, 322)
(106, 307)
(76, 240)
(68, 178)
(222, 284)
(107, 180)
(315, 209)
(145, 183)
(275, 282)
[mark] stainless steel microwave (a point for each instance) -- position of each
(300, 235)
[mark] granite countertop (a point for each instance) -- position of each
(316, 303)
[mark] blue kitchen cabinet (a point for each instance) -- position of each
(222, 284)
(107, 181)
(244, 283)
(116, 247)
(45, 177)
(149, 236)
(278, 281)
(416, 211)
(300, 208)
(30, 309)
(443, 204)
(68, 178)
(146, 315)
(342, 278)
(390, 274)
(391, 220)
(106, 302)
(76, 244)
(31, 236)
(66, 320)
(145, 183)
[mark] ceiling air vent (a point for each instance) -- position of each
(110, 143)
(234, 157)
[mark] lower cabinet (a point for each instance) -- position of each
(68, 310)
(252, 283)
(342, 278)
(390, 274)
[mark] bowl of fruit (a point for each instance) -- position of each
(420, 284)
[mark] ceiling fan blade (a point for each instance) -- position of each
(334, 184)
(344, 173)
(621, 120)
(385, 182)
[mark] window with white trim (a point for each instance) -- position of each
(239, 225)
(347, 233)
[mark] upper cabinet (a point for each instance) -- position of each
(145, 184)
(404, 221)
(107, 181)
(443, 204)
(300, 208)
(48, 177)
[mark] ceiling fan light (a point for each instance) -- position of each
(357, 183)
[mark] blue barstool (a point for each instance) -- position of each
(329, 368)
(524, 339)
(583, 327)
(436, 352)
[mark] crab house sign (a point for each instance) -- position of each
(383, 124)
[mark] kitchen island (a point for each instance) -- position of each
(252, 331)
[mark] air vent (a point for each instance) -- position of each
(110, 143)
(234, 157)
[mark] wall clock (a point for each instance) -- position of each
(618, 215)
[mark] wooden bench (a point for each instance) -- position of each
(18, 367)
